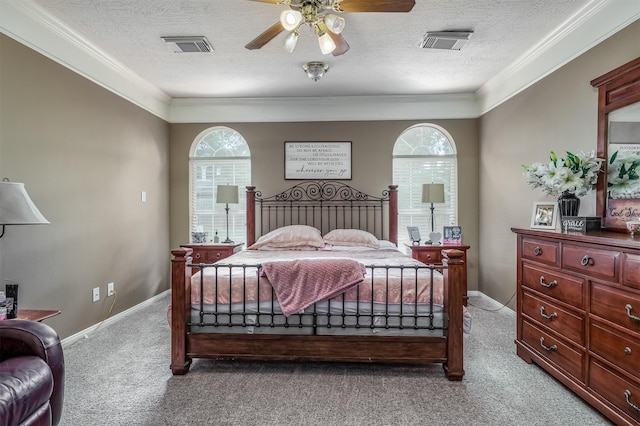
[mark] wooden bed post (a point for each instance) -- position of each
(251, 215)
(180, 308)
(453, 280)
(393, 214)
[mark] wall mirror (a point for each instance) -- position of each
(618, 192)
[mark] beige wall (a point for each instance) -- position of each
(84, 155)
(558, 113)
(372, 145)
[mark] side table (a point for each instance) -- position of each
(36, 314)
(432, 255)
(210, 252)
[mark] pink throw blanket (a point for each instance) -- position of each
(302, 282)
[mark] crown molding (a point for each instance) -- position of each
(31, 25)
(595, 22)
(340, 108)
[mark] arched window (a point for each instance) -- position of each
(424, 153)
(218, 156)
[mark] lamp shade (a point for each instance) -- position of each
(433, 193)
(16, 207)
(326, 44)
(290, 41)
(290, 19)
(227, 194)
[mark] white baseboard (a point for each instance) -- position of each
(84, 334)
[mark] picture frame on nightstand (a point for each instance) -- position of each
(452, 235)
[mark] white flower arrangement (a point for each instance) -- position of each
(576, 174)
(623, 180)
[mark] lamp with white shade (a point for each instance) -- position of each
(16, 207)
(433, 193)
(227, 194)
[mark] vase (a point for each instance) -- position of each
(568, 205)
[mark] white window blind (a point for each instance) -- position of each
(219, 157)
(424, 154)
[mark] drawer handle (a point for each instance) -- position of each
(627, 350)
(586, 260)
(537, 251)
(627, 396)
(551, 284)
(218, 255)
(633, 317)
(197, 255)
(545, 316)
(548, 348)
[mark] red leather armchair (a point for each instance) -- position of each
(31, 374)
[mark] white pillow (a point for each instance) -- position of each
(351, 237)
(291, 236)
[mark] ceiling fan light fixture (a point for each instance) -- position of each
(290, 41)
(326, 43)
(290, 19)
(315, 69)
(334, 23)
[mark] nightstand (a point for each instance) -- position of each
(211, 253)
(432, 255)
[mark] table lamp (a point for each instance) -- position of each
(433, 193)
(16, 207)
(227, 194)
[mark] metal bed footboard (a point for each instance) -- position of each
(357, 315)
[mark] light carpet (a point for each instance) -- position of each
(120, 375)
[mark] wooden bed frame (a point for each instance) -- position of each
(446, 349)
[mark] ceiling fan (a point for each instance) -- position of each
(321, 17)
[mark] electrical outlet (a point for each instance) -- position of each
(110, 289)
(96, 294)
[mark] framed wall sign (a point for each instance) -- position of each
(317, 160)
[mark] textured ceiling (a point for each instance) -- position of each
(384, 58)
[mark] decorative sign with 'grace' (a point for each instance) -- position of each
(317, 160)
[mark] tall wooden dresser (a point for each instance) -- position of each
(578, 315)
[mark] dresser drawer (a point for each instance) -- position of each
(591, 261)
(566, 357)
(550, 315)
(540, 251)
(617, 348)
(566, 288)
(631, 270)
(617, 306)
(622, 393)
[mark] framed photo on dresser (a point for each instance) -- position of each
(544, 215)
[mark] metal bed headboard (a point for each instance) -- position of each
(326, 205)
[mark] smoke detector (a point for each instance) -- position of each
(188, 44)
(447, 40)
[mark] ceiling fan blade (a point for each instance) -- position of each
(341, 44)
(375, 5)
(265, 37)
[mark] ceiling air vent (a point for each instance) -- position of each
(188, 44)
(448, 40)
